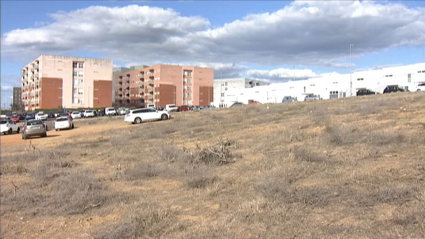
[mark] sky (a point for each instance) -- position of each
(272, 40)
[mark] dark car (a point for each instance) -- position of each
(236, 104)
(184, 108)
(393, 88)
(288, 99)
(365, 92)
(29, 117)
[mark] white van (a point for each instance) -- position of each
(110, 111)
(152, 106)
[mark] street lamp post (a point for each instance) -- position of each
(351, 81)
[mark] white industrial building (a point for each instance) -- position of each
(327, 87)
(222, 86)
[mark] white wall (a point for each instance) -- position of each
(375, 80)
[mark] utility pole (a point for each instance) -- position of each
(351, 72)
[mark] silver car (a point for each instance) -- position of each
(34, 128)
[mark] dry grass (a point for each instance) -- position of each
(343, 168)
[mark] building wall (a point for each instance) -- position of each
(77, 82)
(408, 76)
(205, 95)
(101, 94)
(50, 93)
(221, 86)
(161, 85)
(16, 97)
(166, 95)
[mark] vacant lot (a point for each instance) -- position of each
(342, 168)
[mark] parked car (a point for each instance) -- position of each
(122, 111)
(76, 115)
(15, 118)
(236, 104)
(138, 116)
(63, 122)
(8, 126)
(29, 116)
(110, 111)
(34, 128)
(287, 99)
(361, 92)
(420, 87)
(41, 116)
(171, 107)
(151, 106)
(89, 113)
(184, 108)
(312, 97)
(393, 88)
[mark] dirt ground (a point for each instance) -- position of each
(344, 168)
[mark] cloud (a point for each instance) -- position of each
(306, 33)
(283, 74)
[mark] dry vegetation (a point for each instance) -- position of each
(343, 168)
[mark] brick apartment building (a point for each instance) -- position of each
(71, 82)
(16, 98)
(165, 84)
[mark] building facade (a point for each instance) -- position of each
(222, 86)
(328, 86)
(16, 98)
(165, 84)
(69, 82)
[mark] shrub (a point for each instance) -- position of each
(305, 154)
(218, 153)
(143, 221)
(201, 182)
(140, 171)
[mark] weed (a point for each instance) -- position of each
(201, 182)
(142, 221)
(140, 171)
(305, 154)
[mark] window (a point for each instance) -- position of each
(80, 73)
(389, 76)
(225, 84)
(75, 73)
(78, 81)
(409, 78)
(360, 79)
(222, 94)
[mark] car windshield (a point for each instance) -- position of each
(37, 122)
(62, 119)
(3, 122)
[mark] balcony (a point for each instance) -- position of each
(150, 82)
(141, 75)
(150, 74)
(126, 78)
(150, 89)
(119, 80)
(150, 97)
(141, 90)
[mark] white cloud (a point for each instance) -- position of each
(307, 33)
(282, 74)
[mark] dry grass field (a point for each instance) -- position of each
(342, 168)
